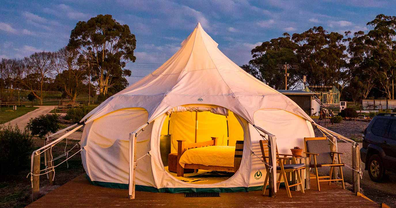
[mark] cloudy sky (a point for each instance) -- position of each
(28, 26)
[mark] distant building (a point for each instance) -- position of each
(306, 100)
(326, 94)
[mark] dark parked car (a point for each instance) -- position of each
(379, 146)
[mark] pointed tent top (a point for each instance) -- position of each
(198, 72)
(198, 30)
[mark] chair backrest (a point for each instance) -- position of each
(238, 155)
(321, 146)
(265, 151)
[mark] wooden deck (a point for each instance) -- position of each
(80, 193)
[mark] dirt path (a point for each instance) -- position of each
(22, 121)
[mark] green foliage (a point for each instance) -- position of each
(106, 45)
(349, 112)
(44, 124)
(372, 114)
(15, 149)
(31, 96)
(315, 53)
(269, 58)
(77, 113)
(336, 119)
(385, 111)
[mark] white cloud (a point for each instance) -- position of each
(341, 23)
(63, 10)
(290, 29)
(266, 23)
(7, 28)
(77, 15)
(231, 29)
(28, 32)
(34, 17)
(314, 20)
(198, 16)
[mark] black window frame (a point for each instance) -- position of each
(386, 134)
(393, 121)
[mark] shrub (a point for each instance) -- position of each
(77, 113)
(349, 112)
(336, 119)
(372, 114)
(43, 125)
(15, 149)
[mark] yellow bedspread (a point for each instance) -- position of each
(209, 156)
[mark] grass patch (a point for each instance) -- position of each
(7, 114)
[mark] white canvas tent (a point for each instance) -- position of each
(199, 76)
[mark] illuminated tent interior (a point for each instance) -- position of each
(196, 127)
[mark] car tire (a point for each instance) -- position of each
(376, 168)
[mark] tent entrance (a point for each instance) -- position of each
(206, 145)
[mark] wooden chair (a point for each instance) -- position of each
(283, 169)
(320, 155)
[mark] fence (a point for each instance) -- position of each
(373, 104)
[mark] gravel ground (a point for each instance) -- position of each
(384, 192)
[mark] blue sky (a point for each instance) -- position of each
(28, 26)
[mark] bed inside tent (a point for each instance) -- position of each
(206, 145)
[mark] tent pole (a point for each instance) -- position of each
(132, 160)
(196, 126)
(169, 122)
(228, 132)
(132, 165)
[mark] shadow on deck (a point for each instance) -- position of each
(80, 193)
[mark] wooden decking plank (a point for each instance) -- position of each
(80, 193)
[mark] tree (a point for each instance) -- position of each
(38, 68)
(110, 45)
(10, 71)
(268, 60)
(321, 55)
(363, 72)
(381, 40)
(70, 73)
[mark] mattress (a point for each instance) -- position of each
(209, 156)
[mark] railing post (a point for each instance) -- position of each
(273, 165)
(356, 167)
(36, 176)
(333, 148)
(49, 164)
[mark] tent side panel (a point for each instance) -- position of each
(106, 150)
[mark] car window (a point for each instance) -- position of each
(392, 130)
(380, 127)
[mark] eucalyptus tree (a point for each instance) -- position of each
(363, 70)
(381, 40)
(110, 44)
(269, 58)
(70, 73)
(322, 56)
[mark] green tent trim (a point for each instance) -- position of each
(176, 190)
